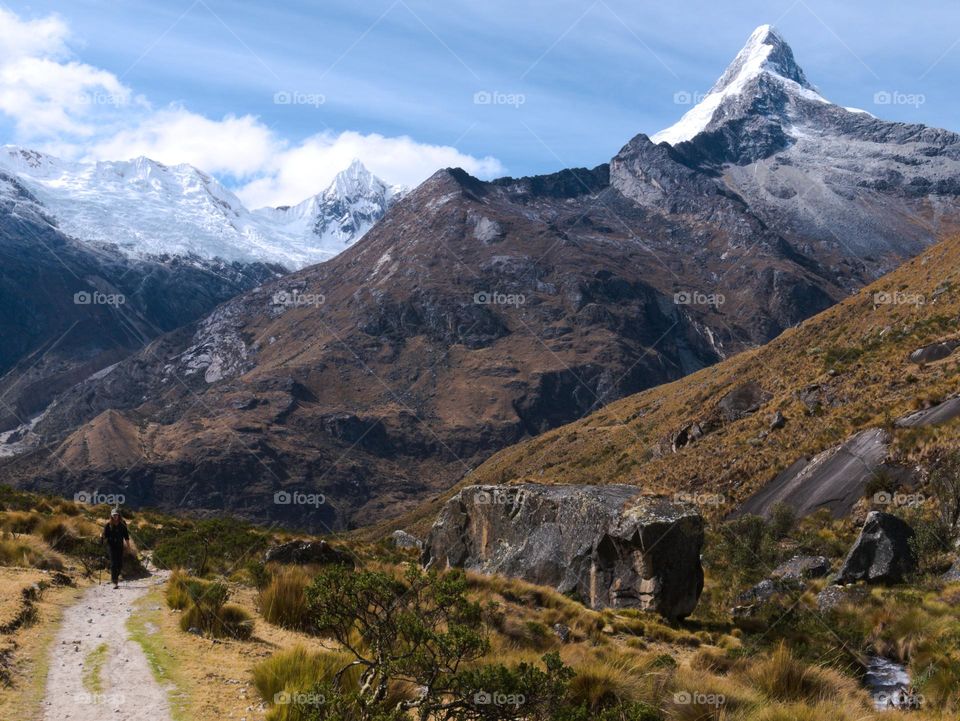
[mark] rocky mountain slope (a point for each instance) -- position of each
(146, 208)
(474, 314)
(859, 397)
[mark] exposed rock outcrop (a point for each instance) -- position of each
(935, 351)
(800, 568)
(882, 553)
(834, 479)
(605, 544)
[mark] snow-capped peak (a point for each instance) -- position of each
(147, 208)
(766, 53)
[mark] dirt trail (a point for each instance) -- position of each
(128, 690)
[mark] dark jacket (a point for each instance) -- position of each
(116, 535)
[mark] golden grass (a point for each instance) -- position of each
(284, 602)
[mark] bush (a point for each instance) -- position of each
(214, 545)
(284, 602)
(206, 609)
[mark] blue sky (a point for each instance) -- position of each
(571, 81)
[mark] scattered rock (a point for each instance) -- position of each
(402, 539)
(881, 554)
(195, 631)
(561, 631)
(934, 351)
(777, 421)
(801, 568)
(748, 602)
(687, 435)
(606, 544)
(743, 400)
(832, 596)
(307, 552)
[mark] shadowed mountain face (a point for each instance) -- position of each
(476, 314)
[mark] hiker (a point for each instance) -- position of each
(116, 535)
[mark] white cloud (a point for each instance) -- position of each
(45, 92)
(73, 109)
(237, 146)
(304, 169)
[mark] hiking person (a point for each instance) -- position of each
(116, 536)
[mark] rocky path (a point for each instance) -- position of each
(96, 670)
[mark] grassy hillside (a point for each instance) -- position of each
(856, 353)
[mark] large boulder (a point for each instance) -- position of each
(307, 553)
(605, 544)
(743, 400)
(881, 554)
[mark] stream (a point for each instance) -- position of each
(888, 683)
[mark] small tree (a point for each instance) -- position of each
(421, 630)
(945, 487)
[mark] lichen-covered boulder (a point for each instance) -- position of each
(606, 544)
(881, 554)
